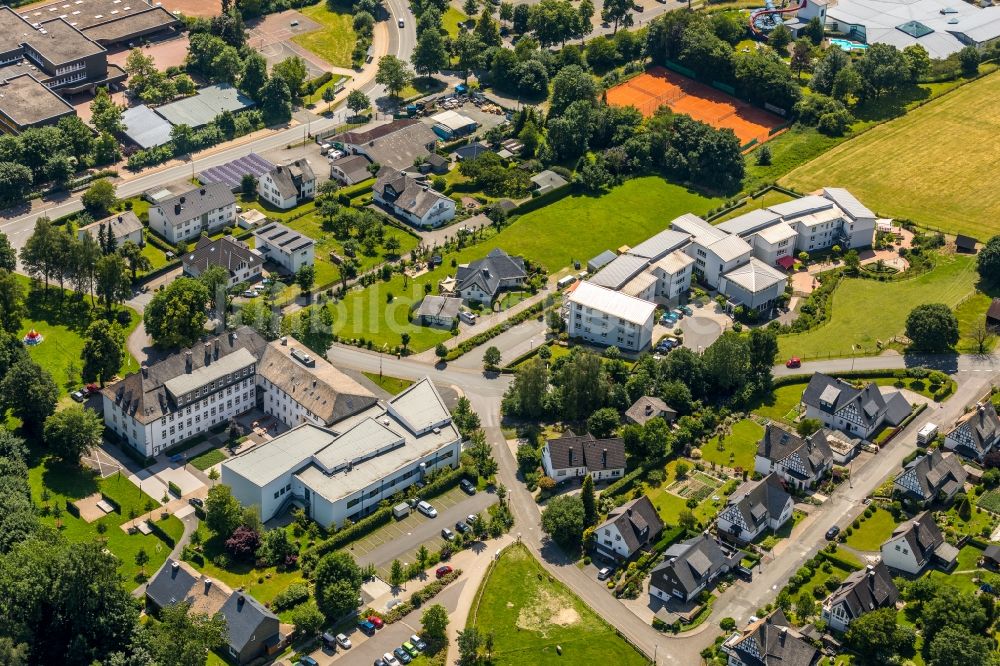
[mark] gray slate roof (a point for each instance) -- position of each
(648, 407)
(396, 144)
(490, 270)
(772, 641)
(866, 590)
(246, 620)
(547, 180)
(622, 269)
(830, 395)
(977, 431)
(225, 252)
(196, 202)
(406, 193)
(121, 225)
(637, 521)
(439, 306)
(355, 167)
(759, 501)
(147, 399)
(922, 536)
(288, 178)
(778, 444)
(586, 450)
(691, 563)
(934, 473)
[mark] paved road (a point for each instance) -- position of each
(18, 223)
(740, 601)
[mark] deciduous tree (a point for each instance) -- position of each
(176, 315)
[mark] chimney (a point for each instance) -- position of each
(207, 582)
(232, 337)
(183, 199)
(240, 599)
(284, 341)
(177, 209)
(175, 566)
(208, 352)
(570, 451)
(604, 461)
(649, 409)
(202, 191)
(215, 351)
(145, 370)
(188, 361)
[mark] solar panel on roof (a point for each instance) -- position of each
(231, 173)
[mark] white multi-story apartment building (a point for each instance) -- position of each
(714, 251)
(344, 472)
(285, 247)
(185, 216)
(191, 391)
(287, 185)
(607, 317)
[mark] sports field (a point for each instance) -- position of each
(659, 86)
(937, 165)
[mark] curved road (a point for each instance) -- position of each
(740, 600)
(18, 224)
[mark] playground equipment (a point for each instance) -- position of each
(33, 338)
(763, 21)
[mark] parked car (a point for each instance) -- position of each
(329, 640)
(343, 641)
(376, 620)
(400, 23)
(418, 642)
(379, 662)
(743, 573)
(390, 660)
(79, 396)
(447, 534)
(793, 362)
(832, 533)
(427, 509)
(462, 527)
(402, 655)
(467, 486)
(366, 627)
(686, 310)
(196, 501)
(442, 571)
(471, 518)
(308, 661)
(411, 649)
(604, 573)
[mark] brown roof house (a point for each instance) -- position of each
(629, 528)
(575, 456)
(861, 592)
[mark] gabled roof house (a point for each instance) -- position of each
(917, 543)
(770, 641)
(483, 280)
(801, 462)
(412, 200)
(861, 592)
(755, 507)
(629, 528)
(575, 456)
(976, 433)
(933, 476)
(690, 567)
(859, 412)
(649, 407)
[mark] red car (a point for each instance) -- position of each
(442, 571)
(376, 620)
(793, 362)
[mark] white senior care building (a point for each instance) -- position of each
(346, 470)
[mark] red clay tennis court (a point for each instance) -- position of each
(659, 86)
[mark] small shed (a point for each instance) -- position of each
(966, 244)
(991, 557)
(470, 151)
(547, 181)
(993, 315)
(600, 261)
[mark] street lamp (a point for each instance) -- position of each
(381, 354)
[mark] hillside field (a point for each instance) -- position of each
(937, 165)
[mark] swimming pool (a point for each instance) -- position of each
(848, 45)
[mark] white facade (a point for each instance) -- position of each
(673, 277)
(773, 243)
(606, 317)
(897, 554)
(287, 185)
(185, 218)
(285, 247)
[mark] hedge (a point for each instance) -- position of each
(357, 189)
(849, 374)
(72, 509)
(445, 481)
(174, 489)
(837, 560)
(487, 335)
(293, 595)
(543, 200)
(158, 531)
(309, 87)
(419, 597)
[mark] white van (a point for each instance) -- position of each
(467, 317)
(927, 433)
(426, 509)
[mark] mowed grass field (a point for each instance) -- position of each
(529, 614)
(937, 165)
(335, 40)
(866, 311)
(574, 228)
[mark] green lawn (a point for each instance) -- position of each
(207, 459)
(335, 40)
(857, 301)
(263, 584)
(971, 313)
(978, 522)
(921, 149)
(53, 484)
(782, 404)
(389, 384)
(574, 228)
(317, 97)
(62, 322)
(670, 505)
(530, 614)
(873, 531)
(450, 20)
(736, 450)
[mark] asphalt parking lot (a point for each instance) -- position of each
(400, 540)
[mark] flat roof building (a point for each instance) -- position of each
(107, 22)
(24, 103)
(201, 109)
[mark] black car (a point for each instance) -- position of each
(467, 486)
(196, 501)
(832, 533)
(462, 527)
